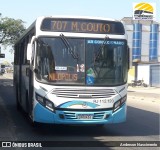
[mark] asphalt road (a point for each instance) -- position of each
(142, 124)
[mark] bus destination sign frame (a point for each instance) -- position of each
(82, 26)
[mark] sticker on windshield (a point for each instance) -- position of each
(80, 67)
(60, 68)
(106, 42)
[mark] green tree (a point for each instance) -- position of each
(10, 30)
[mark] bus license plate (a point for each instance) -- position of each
(85, 116)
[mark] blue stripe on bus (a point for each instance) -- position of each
(42, 114)
(71, 103)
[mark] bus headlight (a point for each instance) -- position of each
(49, 105)
(123, 99)
(45, 102)
(116, 105)
(119, 103)
(39, 99)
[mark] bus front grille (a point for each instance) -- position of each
(81, 93)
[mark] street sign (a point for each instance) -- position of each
(2, 55)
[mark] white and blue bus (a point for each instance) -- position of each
(72, 70)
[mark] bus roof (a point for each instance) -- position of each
(77, 17)
(41, 18)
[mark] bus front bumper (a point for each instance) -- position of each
(43, 115)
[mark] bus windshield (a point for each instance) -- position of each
(98, 62)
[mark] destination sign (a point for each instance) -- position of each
(63, 76)
(82, 26)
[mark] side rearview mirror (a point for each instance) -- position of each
(29, 51)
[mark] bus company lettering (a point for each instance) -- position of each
(63, 76)
(75, 26)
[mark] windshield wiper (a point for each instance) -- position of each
(101, 48)
(66, 43)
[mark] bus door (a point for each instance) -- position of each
(30, 75)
